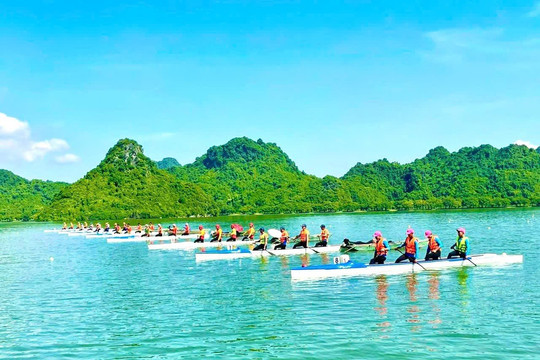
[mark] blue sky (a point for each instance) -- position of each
(333, 83)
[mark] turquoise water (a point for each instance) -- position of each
(102, 301)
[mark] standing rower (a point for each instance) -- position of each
(304, 238)
(324, 235)
(411, 247)
(381, 249)
(200, 239)
(433, 251)
(249, 233)
(218, 235)
(233, 234)
(263, 240)
(461, 247)
(282, 240)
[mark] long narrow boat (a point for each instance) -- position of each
(154, 239)
(193, 245)
(228, 254)
(359, 269)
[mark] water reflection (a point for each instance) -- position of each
(382, 297)
(434, 294)
(325, 258)
(305, 260)
(413, 309)
(462, 278)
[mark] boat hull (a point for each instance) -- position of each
(244, 253)
(358, 269)
(192, 246)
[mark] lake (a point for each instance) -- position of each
(95, 300)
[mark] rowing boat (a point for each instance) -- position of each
(193, 245)
(351, 268)
(228, 254)
(152, 239)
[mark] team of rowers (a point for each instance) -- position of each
(433, 252)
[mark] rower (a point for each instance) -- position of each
(152, 227)
(263, 240)
(64, 227)
(233, 235)
(461, 247)
(433, 251)
(218, 235)
(146, 231)
(200, 239)
(128, 228)
(411, 247)
(381, 249)
(86, 225)
(98, 228)
(282, 240)
(116, 228)
(173, 231)
(324, 235)
(107, 227)
(139, 229)
(159, 230)
(304, 238)
(249, 233)
(71, 225)
(186, 229)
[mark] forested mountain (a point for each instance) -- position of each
(21, 199)
(127, 184)
(246, 176)
(167, 163)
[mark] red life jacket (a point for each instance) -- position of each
(410, 245)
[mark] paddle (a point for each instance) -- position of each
(414, 262)
(470, 261)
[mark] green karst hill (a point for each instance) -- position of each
(246, 176)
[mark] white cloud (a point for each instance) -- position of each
(526, 143)
(11, 126)
(67, 158)
(16, 142)
(535, 11)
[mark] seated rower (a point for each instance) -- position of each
(107, 227)
(146, 231)
(152, 227)
(159, 230)
(282, 240)
(139, 229)
(98, 228)
(461, 247)
(128, 229)
(263, 241)
(64, 227)
(304, 238)
(186, 229)
(411, 247)
(249, 233)
(381, 249)
(200, 239)
(71, 226)
(116, 228)
(233, 234)
(218, 234)
(433, 251)
(324, 235)
(173, 231)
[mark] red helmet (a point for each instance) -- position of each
(200, 227)
(217, 226)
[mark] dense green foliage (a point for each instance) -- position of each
(21, 199)
(127, 184)
(246, 176)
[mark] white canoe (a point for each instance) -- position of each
(228, 254)
(358, 269)
(154, 239)
(193, 246)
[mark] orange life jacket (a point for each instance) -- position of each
(303, 235)
(410, 245)
(380, 248)
(187, 229)
(325, 234)
(284, 236)
(433, 246)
